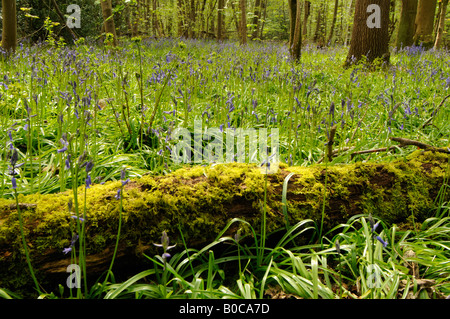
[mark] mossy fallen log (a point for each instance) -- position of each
(200, 201)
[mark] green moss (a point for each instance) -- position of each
(203, 199)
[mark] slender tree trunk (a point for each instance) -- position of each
(220, 21)
(441, 27)
(135, 19)
(371, 41)
(295, 44)
(425, 23)
(9, 35)
(180, 16)
(243, 21)
(191, 19)
(108, 19)
(350, 7)
(264, 15)
(305, 18)
(333, 23)
(406, 26)
(256, 18)
(292, 19)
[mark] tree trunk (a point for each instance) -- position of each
(264, 15)
(220, 20)
(305, 19)
(425, 23)
(347, 27)
(243, 21)
(319, 35)
(256, 18)
(441, 27)
(406, 28)
(135, 20)
(333, 23)
(109, 20)
(295, 46)
(370, 35)
(181, 17)
(9, 35)
(200, 201)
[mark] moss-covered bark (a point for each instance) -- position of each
(201, 200)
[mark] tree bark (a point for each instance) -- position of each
(220, 20)
(425, 23)
(347, 27)
(109, 19)
(9, 35)
(305, 19)
(264, 16)
(295, 44)
(243, 21)
(201, 201)
(256, 18)
(368, 40)
(333, 23)
(441, 27)
(406, 28)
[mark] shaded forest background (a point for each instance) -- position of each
(323, 22)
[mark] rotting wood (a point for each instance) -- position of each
(201, 201)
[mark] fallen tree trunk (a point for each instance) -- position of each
(201, 201)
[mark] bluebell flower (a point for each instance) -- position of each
(14, 183)
(117, 196)
(68, 162)
(89, 166)
(14, 158)
(165, 241)
(75, 217)
(62, 150)
(88, 181)
(382, 241)
(72, 243)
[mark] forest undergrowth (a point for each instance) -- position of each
(86, 114)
